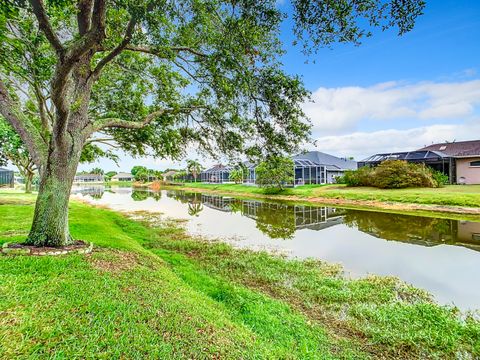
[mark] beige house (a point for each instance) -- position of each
(466, 159)
(122, 176)
(169, 175)
(88, 178)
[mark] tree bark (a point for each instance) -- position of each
(50, 220)
(28, 182)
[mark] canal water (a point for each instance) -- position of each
(439, 255)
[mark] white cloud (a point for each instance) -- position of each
(339, 110)
(363, 144)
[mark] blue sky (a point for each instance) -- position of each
(391, 93)
(444, 43)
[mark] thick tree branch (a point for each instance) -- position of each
(46, 27)
(125, 124)
(99, 15)
(117, 50)
(25, 129)
(84, 16)
(104, 142)
(43, 110)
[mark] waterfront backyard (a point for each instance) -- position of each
(154, 284)
(449, 195)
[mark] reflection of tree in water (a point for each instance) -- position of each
(275, 219)
(237, 206)
(95, 192)
(141, 195)
(184, 197)
(194, 209)
(157, 195)
(194, 200)
(277, 222)
(413, 229)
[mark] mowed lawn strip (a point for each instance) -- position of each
(150, 290)
(124, 301)
(450, 195)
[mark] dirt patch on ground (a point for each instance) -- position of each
(113, 261)
(8, 201)
(77, 246)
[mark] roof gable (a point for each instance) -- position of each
(330, 161)
(460, 148)
(122, 174)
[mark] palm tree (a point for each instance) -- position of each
(194, 167)
(97, 171)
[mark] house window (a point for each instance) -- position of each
(475, 163)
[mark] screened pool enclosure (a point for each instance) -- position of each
(309, 172)
(216, 174)
(7, 177)
(434, 159)
(306, 172)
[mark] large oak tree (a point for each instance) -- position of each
(157, 75)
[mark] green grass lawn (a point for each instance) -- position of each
(151, 291)
(450, 195)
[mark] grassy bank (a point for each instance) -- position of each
(150, 290)
(467, 196)
(119, 183)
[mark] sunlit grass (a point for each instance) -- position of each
(151, 291)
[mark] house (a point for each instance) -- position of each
(313, 167)
(169, 175)
(7, 177)
(316, 167)
(466, 160)
(122, 176)
(460, 161)
(217, 174)
(88, 178)
(434, 159)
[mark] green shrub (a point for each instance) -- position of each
(360, 177)
(440, 178)
(236, 175)
(394, 174)
(397, 174)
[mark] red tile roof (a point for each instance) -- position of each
(460, 148)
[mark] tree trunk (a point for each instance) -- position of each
(28, 182)
(50, 220)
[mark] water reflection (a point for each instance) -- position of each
(277, 220)
(439, 255)
(280, 220)
(95, 191)
(418, 230)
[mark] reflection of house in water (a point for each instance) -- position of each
(221, 203)
(120, 190)
(418, 230)
(276, 213)
(281, 220)
(304, 217)
(468, 234)
(95, 191)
